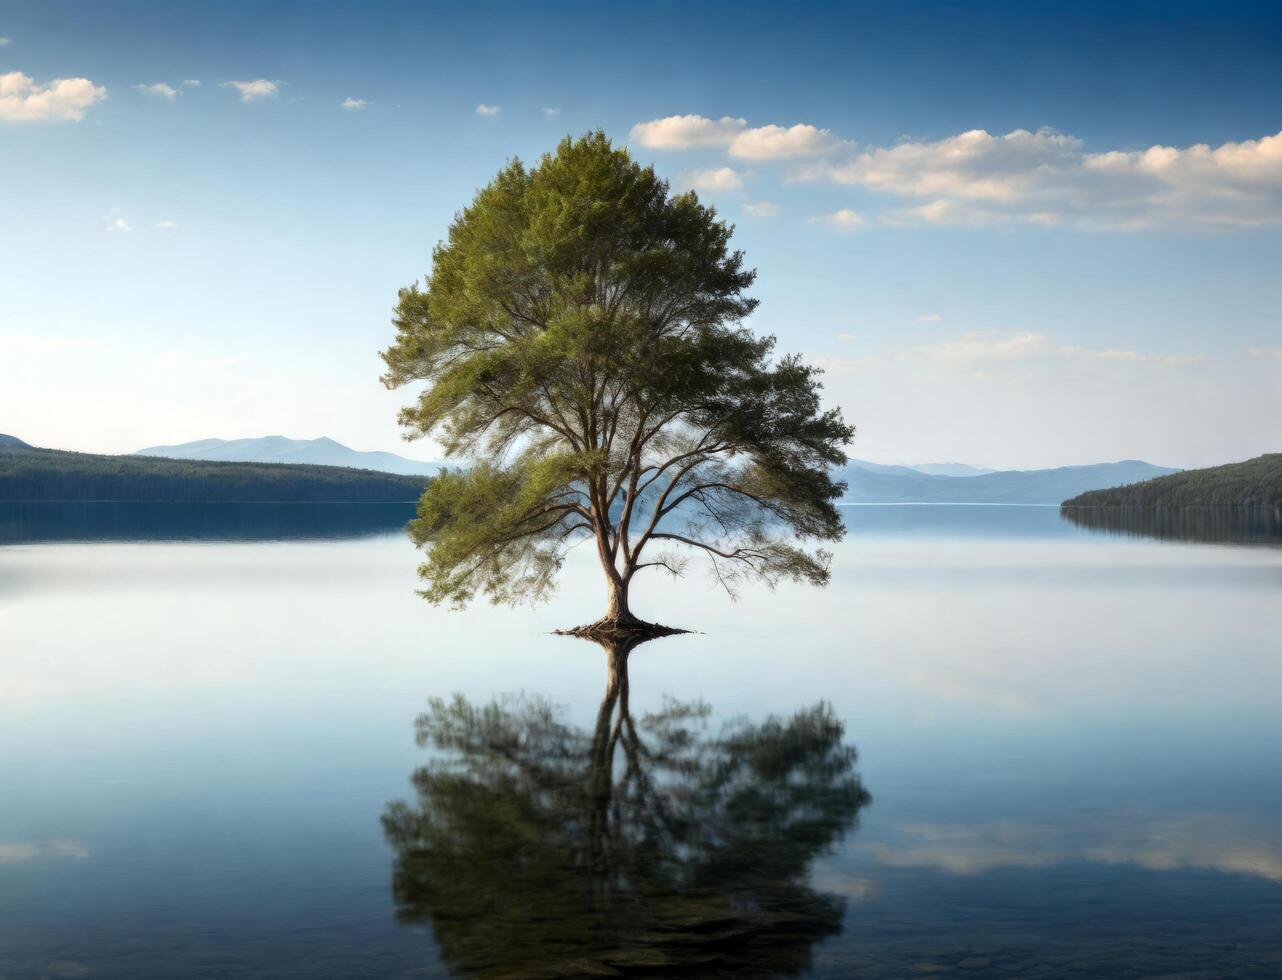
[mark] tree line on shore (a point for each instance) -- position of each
(28, 473)
(1253, 483)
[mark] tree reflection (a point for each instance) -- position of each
(1211, 525)
(644, 847)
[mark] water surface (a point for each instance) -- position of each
(999, 744)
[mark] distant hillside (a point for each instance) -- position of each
(278, 449)
(28, 473)
(950, 469)
(12, 442)
(1254, 483)
(1049, 486)
(931, 469)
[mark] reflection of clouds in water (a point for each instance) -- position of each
(1213, 842)
(1210, 841)
(65, 848)
(970, 848)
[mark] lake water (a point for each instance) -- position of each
(999, 744)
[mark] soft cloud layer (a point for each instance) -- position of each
(843, 220)
(760, 143)
(760, 209)
(160, 89)
(713, 179)
(259, 88)
(1048, 178)
(975, 396)
(62, 100)
(40, 344)
(352, 105)
(1202, 841)
(1035, 178)
(488, 110)
(989, 345)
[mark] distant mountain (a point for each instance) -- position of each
(931, 469)
(1050, 486)
(864, 464)
(1254, 483)
(12, 442)
(278, 449)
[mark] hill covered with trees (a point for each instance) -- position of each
(1253, 483)
(30, 473)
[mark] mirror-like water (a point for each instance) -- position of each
(1000, 744)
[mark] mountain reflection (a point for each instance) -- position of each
(1211, 525)
(32, 522)
(645, 847)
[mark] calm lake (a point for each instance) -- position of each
(235, 743)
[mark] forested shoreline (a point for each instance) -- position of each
(28, 473)
(1253, 483)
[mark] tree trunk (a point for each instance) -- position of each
(617, 610)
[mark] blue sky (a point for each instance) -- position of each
(1013, 234)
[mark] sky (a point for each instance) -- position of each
(1013, 234)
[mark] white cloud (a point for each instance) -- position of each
(488, 110)
(1047, 178)
(687, 132)
(983, 345)
(712, 179)
(3, 41)
(166, 224)
(63, 99)
(760, 209)
(160, 89)
(843, 220)
(760, 143)
(40, 344)
(929, 318)
(353, 104)
(551, 111)
(114, 222)
(259, 88)
(175, 360)
(191, 83)
(780, 143)
(990, 345)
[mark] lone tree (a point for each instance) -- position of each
(581, 338)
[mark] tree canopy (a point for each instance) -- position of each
(581, 336)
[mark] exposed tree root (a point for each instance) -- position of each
(621, 629)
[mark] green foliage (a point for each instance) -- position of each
(49, 474)
(580, 333)
(652, 847)
(1253, 483)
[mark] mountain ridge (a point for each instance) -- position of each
(1046, 486)
(322, 451)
